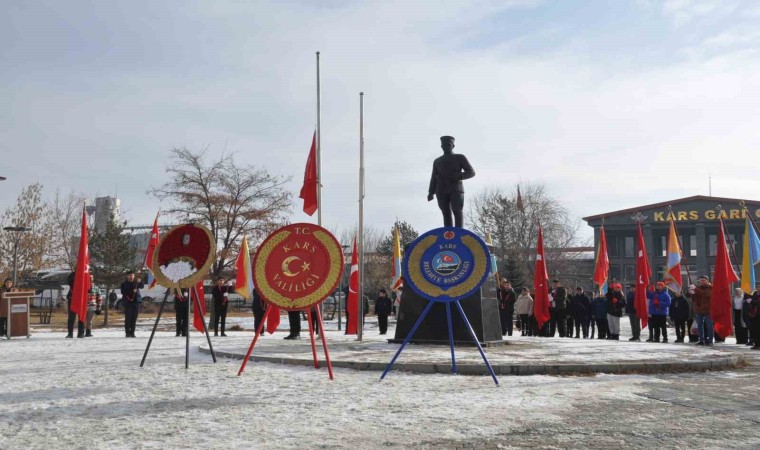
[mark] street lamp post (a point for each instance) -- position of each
(18, 231)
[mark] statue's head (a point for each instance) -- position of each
(447, 144)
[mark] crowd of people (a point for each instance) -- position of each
(576, 315)
(573, 315)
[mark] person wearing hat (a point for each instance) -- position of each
(701, 296)
(659, 305)
(446, 182)
(615, 308)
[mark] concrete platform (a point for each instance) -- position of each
(521, 355)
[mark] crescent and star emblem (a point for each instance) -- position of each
(286, 266)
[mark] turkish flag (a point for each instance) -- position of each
(309, 188)
(272, 318)
(642, 281)
(541, 283)
(720, 304)
(352, 307)
(199, 313)
(82, 278)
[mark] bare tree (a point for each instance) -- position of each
(65, 220)
(30, 211)
(514, 232)
(231, 200)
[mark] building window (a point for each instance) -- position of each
(630, 273)
(614, 272)
(712, 247)
(663, 250)
(612, 246)
(693, 245)
(629, 251)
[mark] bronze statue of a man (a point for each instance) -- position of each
(446, 182)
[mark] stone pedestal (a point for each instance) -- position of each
(481, 308)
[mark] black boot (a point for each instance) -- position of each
(88, 333)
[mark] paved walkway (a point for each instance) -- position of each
(521, 355)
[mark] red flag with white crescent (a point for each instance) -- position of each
(640, 302)
(82, 278)
(541, 283)
(352, 327)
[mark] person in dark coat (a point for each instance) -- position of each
(219, 294)
(294, 320)
(679, 314)
(746, 309)
(558, 309)
(754, 318)
(581, 313)
(131, 298)
(383, 308)
(314, 319)
(570, 315)
(630, 309)
(8, 287)
(507, 298)
(615, 308)
(599, 315)
(259, 306)
(181, 305)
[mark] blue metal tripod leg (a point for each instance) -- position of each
(451, 338)
(408, 338)
(475, 339)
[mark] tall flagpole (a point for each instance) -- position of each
(361, 217)
(319, 151)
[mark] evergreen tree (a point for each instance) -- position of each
(111, 257)
(407, 235)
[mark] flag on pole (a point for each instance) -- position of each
(541, 284)
(602, 268)
(198, 315)
(309, 188)
(82, 279)
(244, 276)
(272, 318)
(520, 205)
(352, 306)
(720, 304)
(396, 280)
(151, 250)
(750, 256)
(494, 268)
(640, 302)
(672, 275)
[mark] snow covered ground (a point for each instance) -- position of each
(91, 393)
